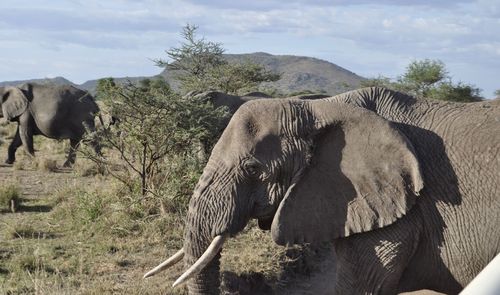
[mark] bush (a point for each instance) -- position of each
(455, 92)
(152, 147)
(428, 78)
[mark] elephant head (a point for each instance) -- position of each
(354, 168)
(13, 102)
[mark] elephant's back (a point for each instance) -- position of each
(64, 99)
(59, 111)
(76, 96)
(472, 140)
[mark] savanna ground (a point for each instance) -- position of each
(75, 231)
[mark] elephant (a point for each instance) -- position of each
(233, 103)
(405, 188)
(59, 112)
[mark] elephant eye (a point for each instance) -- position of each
(252, 168)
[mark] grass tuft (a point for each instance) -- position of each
(19, 164)
(84, 168)
(47, 164)
(10, 197)
(27, 231)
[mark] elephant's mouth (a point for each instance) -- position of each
(265, 222)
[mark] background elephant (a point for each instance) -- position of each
(233, 103)
(59, 112)
(406, 188)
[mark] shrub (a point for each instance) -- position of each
(90, 206)
(154, 138)
(428, 78)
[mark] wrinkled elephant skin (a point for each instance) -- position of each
(406, 188)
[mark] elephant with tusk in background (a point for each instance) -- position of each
(59, 112)
(233, 103)
(406, 188)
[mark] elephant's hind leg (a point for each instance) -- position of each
(26, 135)
(74, 143)
(13, 146)
(26, 131)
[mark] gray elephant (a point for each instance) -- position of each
(59, 112)
(233, 103)
(406, 188)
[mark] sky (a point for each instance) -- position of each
(89, 39)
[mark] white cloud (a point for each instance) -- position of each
(366, 37)
(262, 5)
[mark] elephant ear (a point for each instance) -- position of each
(14, 103)
(363, 175)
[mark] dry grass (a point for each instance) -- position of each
(20, 164)
(7, 130)
(241, 255)
(46, 164)
(82, 233)
(25, 162)
(86, 168)
(96, 240)
(10, 197)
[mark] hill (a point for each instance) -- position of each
(56, 80)
(299, 73)
(91, 84)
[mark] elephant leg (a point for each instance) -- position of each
(14, 145)
(74, 143)
(91, 130)
(26, 135)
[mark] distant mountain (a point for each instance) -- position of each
(299, 73)
(92, 84)
(56, 81)
(89, 85)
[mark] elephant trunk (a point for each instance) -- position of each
(207, 281)
(215, 213)
(204, 278)
(202, 242)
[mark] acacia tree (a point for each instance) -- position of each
(199, 65)
(428, 78)
(155, 127)
(158, 131)
(421, 76)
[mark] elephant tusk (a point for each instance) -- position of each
(212, 250)
(166, 264)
